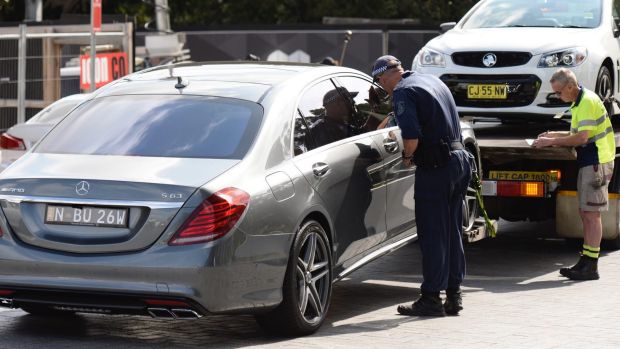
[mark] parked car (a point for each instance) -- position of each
(499, 57)
(16, 141)
(201, 189)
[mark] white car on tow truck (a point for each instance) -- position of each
(498, 59)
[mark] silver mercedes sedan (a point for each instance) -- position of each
(200, 189)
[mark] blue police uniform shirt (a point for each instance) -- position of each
(425, 109)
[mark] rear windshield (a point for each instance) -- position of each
(157, 125)
(536, 13)
(54, 112)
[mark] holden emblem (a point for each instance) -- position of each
(489, 60)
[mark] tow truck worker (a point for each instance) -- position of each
(593, 138)
(431, 132)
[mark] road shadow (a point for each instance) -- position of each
(513, 262)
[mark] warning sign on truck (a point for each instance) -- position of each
(551, 176)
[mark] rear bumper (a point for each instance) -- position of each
(227, 276)
(102, 303)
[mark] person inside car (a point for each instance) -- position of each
(334, 124)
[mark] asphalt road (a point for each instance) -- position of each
(514, 297)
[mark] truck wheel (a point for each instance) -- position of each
(307, 285)
(611, 245)
(604, 88)
(471, 210)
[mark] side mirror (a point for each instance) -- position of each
(444, 27)
(616, 33)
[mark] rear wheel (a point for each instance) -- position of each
(604, 89)
(307, 285)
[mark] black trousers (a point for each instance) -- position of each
(439, 194)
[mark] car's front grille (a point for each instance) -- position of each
(502, 59)
(522, 89)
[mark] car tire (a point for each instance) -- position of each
(604, 88)
(307, 285)
(471, 207)
(45, 311)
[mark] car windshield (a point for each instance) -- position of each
(158, 126)
(537, 13)
(52, 113)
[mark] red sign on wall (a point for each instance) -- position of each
(96, 15)
(108, 67)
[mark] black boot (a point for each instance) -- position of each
(454, 302)
(566, 271)
(426, 305)
(588, 270)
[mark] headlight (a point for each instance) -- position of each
(431, 58)
(571, 57)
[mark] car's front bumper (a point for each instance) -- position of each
(540, 104)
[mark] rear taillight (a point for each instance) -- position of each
(6, 292)
(9, 142)
(213, 218)
(519, 188)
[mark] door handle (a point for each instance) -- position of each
(320, 169)
(391, 145)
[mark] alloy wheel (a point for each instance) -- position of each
(313, 277)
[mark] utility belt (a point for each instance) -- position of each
(435, 155)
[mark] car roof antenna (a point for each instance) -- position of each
(180, 83)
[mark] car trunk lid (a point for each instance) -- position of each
(99, 204)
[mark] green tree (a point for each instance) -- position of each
(252, 12)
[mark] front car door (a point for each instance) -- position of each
(341, 163)
(373, 105)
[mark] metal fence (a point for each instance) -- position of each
(46, 67)
(314, 45)
(51, 57)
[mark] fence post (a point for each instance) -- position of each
(386, 41)
(21, 75)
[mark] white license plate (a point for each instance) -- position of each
(87, 215)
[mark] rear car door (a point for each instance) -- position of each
(372, 106)
(343, 165)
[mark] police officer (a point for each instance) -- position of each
(593, 138)
(431, 132)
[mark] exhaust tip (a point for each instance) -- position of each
(185, 314)
(160, 313)
(6, 302)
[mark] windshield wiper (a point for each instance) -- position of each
(572, 26)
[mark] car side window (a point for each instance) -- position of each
(326, 115)
(372, 104)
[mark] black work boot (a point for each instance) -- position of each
(454, 302)
(426, 305)
(588, 270)
(566, 271)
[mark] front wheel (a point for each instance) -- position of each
(307, 285)
(604, 89)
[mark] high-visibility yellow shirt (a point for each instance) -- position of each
(589, 114)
